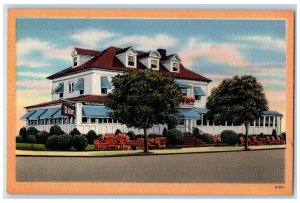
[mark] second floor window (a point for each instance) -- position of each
(154, 63)
(75, 61)
(71, 87)
(103, 91)
(131, 60)
(61, 95)
(175, 67)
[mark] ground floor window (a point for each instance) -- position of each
(181, 122)
(93, 120)
(84, 120)
(198, 122)
(275, 121)
(261, 121)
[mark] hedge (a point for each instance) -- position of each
(229, 137)
(28, 146)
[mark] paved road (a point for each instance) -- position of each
(263, 166)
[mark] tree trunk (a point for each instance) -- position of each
(146, 149)
(246, 141)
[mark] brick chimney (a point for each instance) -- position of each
(162, 52)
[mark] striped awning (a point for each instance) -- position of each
(198, 91)
(191, 113)
(58, 89)
(95, 111)
(49, 113)
(181, 84)
(27, 114)
(58, 114)
(79, 85)
(105, 83)
(37, 114)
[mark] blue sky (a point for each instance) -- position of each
(216, 49)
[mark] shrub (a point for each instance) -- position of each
(79, 142)
(75, 131)
(52, 142)
(56, 130)
(207, 138)
(30, 139)
(229, 137)
(274, 133)
(165, 132)
(261, 135)
(283, 135)
(91, 135)
(64, 142)
(28, 146)
(139, 136)
(152, 135)
(196, 132)
(131, 135)
(118, 132)
(19, 139)
(175, 137)
(23, 132)
(42, 137)
(32, 131)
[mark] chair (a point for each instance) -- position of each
(160, 142)
(281, 141)
(250, 142)
(276, 141)
(123, 141)
(97, 144)
(269, 141)
(242, 141)
(255, 141)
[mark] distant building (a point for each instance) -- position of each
(80, 91)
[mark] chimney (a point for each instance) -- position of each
(162, 52)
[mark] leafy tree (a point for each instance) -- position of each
(79, 142)
(91, 135)
(56, 130)
(142, 99)
(75, 131)
(23, 132)
(239, 100)
(32, 131)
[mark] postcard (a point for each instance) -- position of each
(156, 102)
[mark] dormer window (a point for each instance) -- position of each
(154, 63)
(71, 87)
(175, 67)
(131, 60)
(75, 61)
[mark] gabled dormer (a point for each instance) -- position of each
(151, 60)
(80, 56)
(172, 63)
(128, 57)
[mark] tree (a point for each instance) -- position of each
(239, 100)
(142, 99)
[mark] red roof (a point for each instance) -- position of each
(87, 52)
(85, 98)
(107, 60)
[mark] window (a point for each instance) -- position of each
(93, 120)
(103, 91)
(175, 67)
(75, 61)
(61, 95)
(109, 120)
(100, 120)
(131, 61)
(154, 64)
(261, 121)
(181, 122)
(275, 121)
(267, 121)
(257, 122)
(84, 120)
(271, 121)
(197, 97)
(71, 87)
(198, 122)
(204, 119)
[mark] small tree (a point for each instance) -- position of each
(175, 137)
(239, 100)
(32, 131)
(56, 130)
(79, 142)
(142, 99)
(91, 135)
(75, 131)
(23, 132)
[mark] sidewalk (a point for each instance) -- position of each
(140, 152)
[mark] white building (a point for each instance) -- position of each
(80, 91)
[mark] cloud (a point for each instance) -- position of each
(32, 74)
(27, 46)
(147, 42)
(43, 85)
(90, 38)
(222, 53)
(265, 42)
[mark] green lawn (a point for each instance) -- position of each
(42, 147)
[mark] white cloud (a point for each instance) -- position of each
(31, 63)
(265, 42)
(35, 84)
(90, 38)
(146, 42)
(223, 53)
(32, 74)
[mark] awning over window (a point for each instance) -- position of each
(58, 89)
(58, 114)
(27, 115)
(95, 111)
(181, 85)
(37, 114)
(191, 113)
(79, 85)
(49, 113)
(198, 91)
(271, 113)
(105, 83)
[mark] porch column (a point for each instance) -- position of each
(78, 113)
